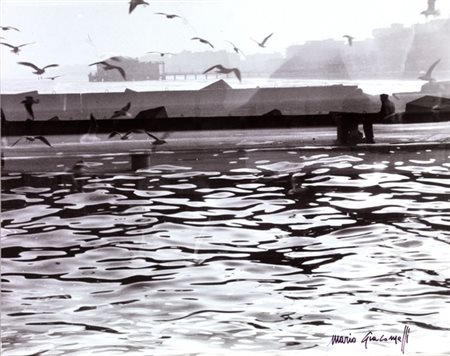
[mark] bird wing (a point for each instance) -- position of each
(218, 66)
(7, 44)
(161, 13)
(114, 133)
(133, 5)
(149, 134)
(121, 71)
(44, 140)
(25, 44)
(15, 143)
(431, 5)
(265, 39)
(28, 64)
(126, 107)
(430, 70)
(51, 65)
(237, 72)
(207, 42)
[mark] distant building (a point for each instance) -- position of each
(135, 70)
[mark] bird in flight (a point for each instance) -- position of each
(32, 139)
(263, 43)
(221, 69)
(28, 102)
(349, 39)
(38, 71)
(7, 28)
(122, 112)
(53, 78)
(135, 3)
(127, 135)
(202, 41)
(162, 54)
(168, 16)
(431, 10)
(427, 76)
(236, 49)
(108, 66)
(15, 49)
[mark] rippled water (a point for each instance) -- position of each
(261, 255)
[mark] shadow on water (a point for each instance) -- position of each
(170, 253)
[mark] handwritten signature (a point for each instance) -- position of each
(371, 337)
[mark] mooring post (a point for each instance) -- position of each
(140, 159)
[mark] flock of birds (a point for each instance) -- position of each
(219, 68)
(113, 63)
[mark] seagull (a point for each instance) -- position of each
(202, 41)
(15, 49)
(431, 10)
(349, 39)
(169, 16)
(7, 28)
(221, 69)
(262, 44)
(38, 71)
(427, 76)
(53, 78)
(126, 136)
(108, 66)
(135, 3)
(122, 112)
(162, 54)
(32, 139)
(237, 50)
(28, 102)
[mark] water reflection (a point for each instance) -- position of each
(271, 255)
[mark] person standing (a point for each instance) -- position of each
(387, 110)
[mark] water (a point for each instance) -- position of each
(230, 252)
(76, 85)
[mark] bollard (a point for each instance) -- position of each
(140, 160)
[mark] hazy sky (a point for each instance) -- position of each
(83, 31)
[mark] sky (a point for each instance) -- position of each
(83, 31)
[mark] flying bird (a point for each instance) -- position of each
(135, 3)
(169, 16)
(108, 66)
(127, 135)
(7, 28)
(349, 39)
(162, 54)
(122, 112)
(263, 43)
(15, 49)
(32, 139)
(427, 76)
(53, 78)
(28, 102)
(431, 10)
(202, 41)
(236, 49)
(38, 71)
(221, 69)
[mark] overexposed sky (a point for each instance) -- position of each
(83, 31)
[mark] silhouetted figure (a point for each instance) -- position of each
(386, 112)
